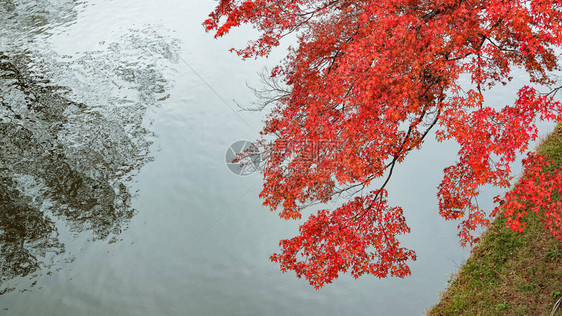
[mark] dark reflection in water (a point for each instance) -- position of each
(21, 19)
(27, 234)
(73, 132)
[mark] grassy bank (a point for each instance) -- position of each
(510, 273)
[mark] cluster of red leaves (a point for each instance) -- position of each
(489, 141)
(377, 77)
(359, 237)
(538, 191)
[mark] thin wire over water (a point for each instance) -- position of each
(210, 87)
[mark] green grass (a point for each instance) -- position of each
(510, 273)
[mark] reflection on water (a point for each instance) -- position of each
(27, 234)
(22, 19)
(73, 132)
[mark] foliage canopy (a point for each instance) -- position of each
(373, 79)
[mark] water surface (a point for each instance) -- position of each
(115, 118)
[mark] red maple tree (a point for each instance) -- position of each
(373, 79)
